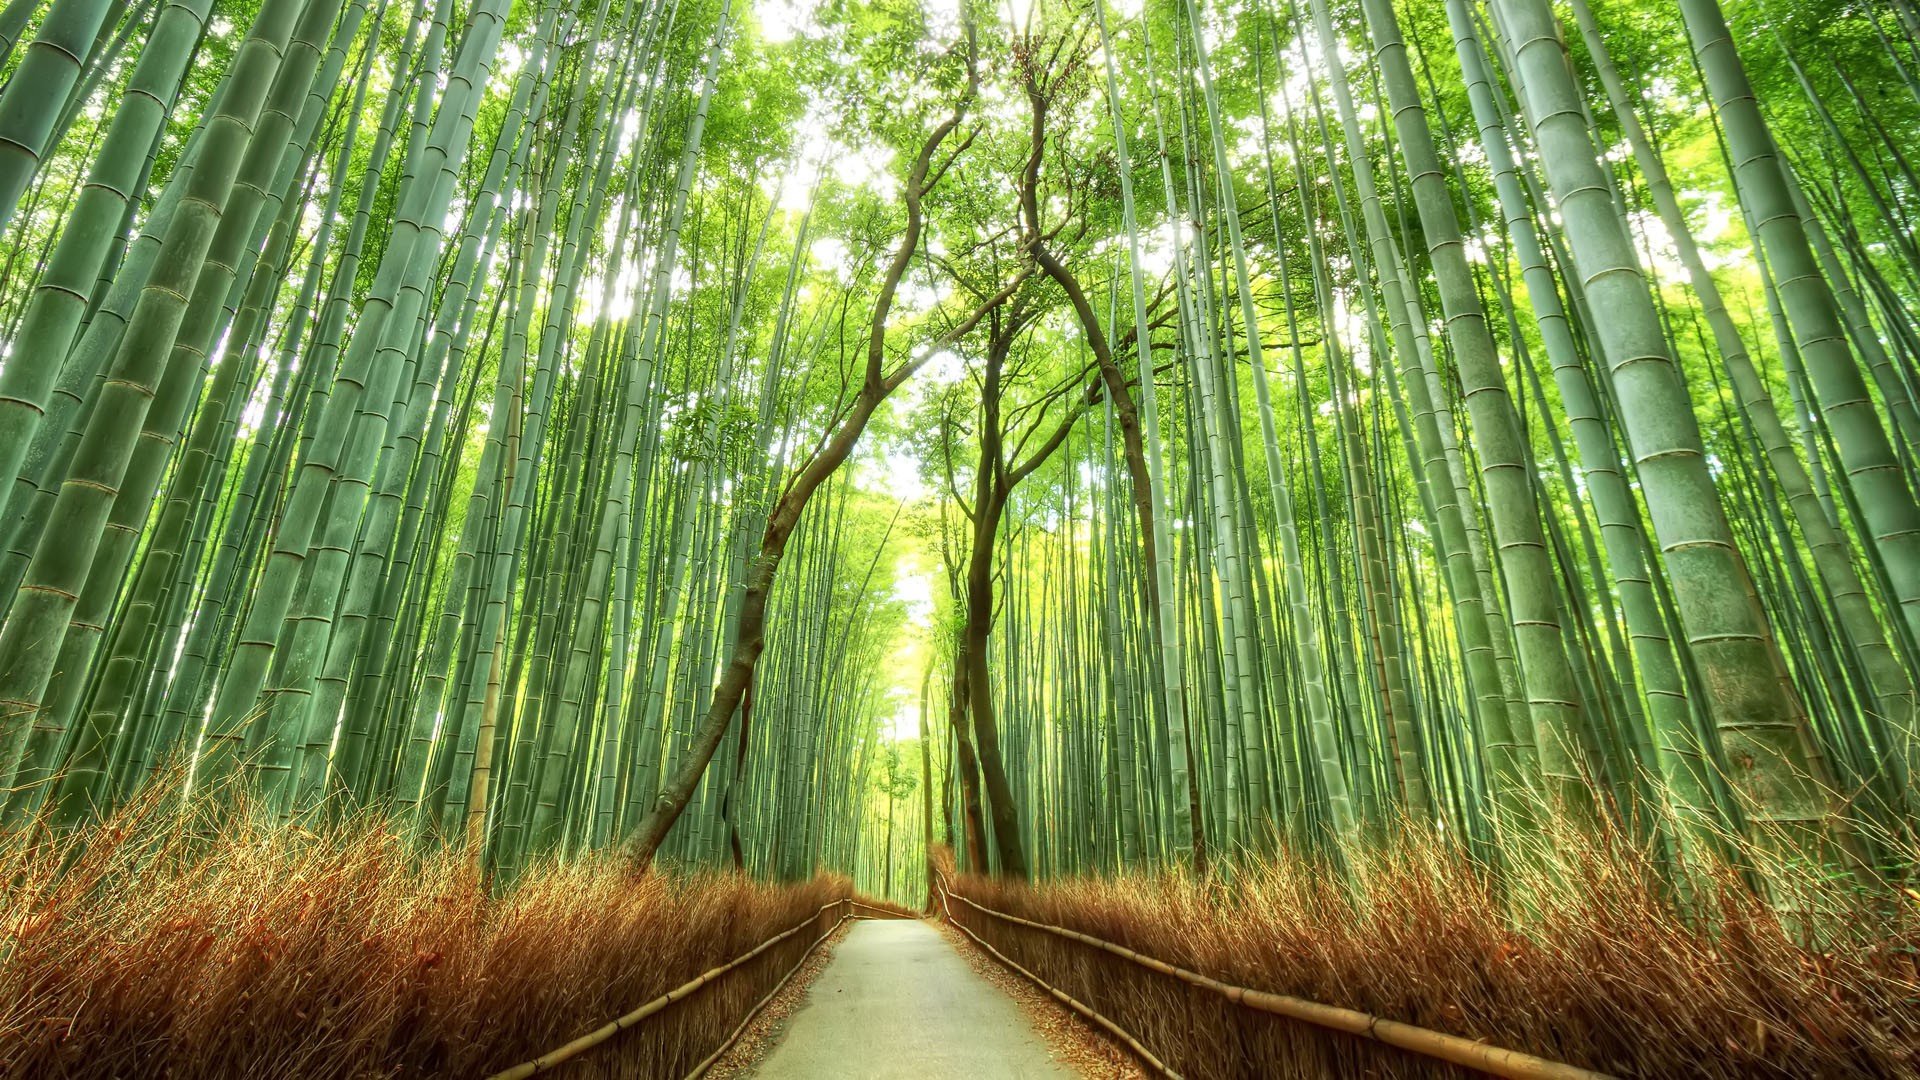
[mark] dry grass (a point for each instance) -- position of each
(1582, 959)
(153, 946)
(160, 944)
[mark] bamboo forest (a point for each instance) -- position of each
(947, 538)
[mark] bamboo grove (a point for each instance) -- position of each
(522, 419)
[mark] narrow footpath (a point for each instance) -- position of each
(897, 1003)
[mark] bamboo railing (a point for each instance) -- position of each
(581, 1045)
(1139, 1048)
(1467, 1053)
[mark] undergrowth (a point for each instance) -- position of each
(163, 944)
(1580, 956)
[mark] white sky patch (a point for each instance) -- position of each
(1297, 84)
(943, 18)
(1246, 143)
(512, 56)
(913, 586)
(1713, 222)
(902, 475)
(1156, 251)
(1005, 108)
(869, 167)
(1352, 330)
(1657, 246)
(629, 130)
(944, 369)
(791, 188)
(1477, 245)
(830, 253)
(904, 722)
(918, 298)
(593, 299)
(256, 411)
(783, 20)
(1213, 31)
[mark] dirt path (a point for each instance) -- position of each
(898, 1002)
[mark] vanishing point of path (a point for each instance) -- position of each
(898, 1003)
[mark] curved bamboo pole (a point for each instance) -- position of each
(571, 1050)
(1492, 1060)
(740, 1028)
(1059, 995)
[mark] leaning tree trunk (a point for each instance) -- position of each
(877, 384)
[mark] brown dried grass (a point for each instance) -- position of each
(171, 942)
(1578, 955)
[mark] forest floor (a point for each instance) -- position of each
(898, 1001)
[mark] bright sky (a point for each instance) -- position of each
(784, 20)
(913, 586)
